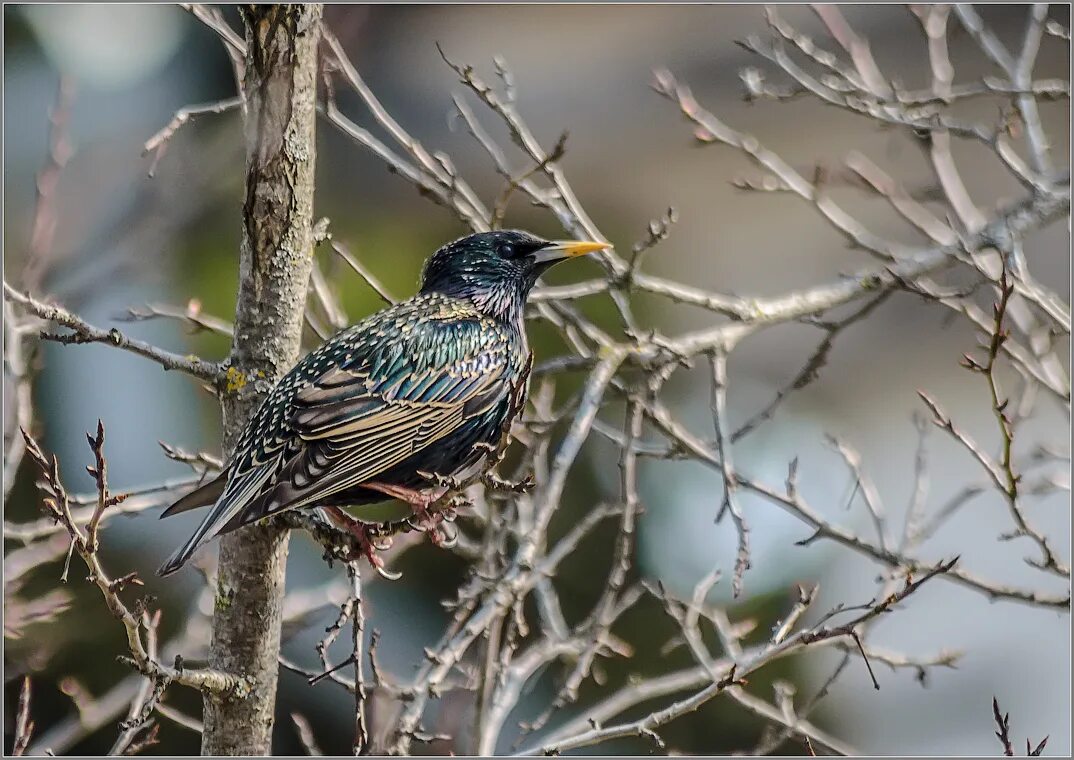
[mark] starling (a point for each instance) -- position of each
(426, 386)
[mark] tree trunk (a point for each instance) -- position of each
(280, 89)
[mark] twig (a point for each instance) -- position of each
(138, 500)
(305, 735)
(158, 143)
(45, 218)
(645, 727)
(1019, 70)
(449, 188)
(24, 727)
(1003, 722)
(361, 744)
(191, 315)
(730, 479)
(340, 250)
(83, 332)
(57, 505)
(864, 485)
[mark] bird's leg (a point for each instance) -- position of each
(494, 456)
(368, 544)
(419, 501)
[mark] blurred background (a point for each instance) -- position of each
(123, 239)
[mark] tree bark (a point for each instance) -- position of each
(275, 261)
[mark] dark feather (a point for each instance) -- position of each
(426, 385)
(364, 402)
(202, 496)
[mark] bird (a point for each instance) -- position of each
(426, 386)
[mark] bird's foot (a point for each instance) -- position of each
(496, 483)
(415, 498)
(435, 524)
(443, 483)
(494, 452)
(444, 535)
(368, 541)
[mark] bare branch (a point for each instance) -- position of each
(158, 143)
(191, 315)
(83, 332)
(305, 735)
(24, 727)
(57, 504)
(730, 479)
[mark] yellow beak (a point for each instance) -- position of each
(565, 249)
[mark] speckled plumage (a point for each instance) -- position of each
(423, 386)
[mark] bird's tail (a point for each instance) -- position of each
(209, 493)
(179, 558)
(202, 496)
(183, 553)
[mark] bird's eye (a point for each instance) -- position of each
(517, 249)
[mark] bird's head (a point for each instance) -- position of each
(496, 270)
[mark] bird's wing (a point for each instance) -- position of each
(370, 412)
(360, 403)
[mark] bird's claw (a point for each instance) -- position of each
(385, 573)
(445, 535)
(459, 501)
(369, 541)
(446, 482)
(437, 525)
(423, 520)
(369, 549)
(496, 483)
(380, 543)
(494, 452)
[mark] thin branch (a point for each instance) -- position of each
(158, 143)
(83, 332)
(730, 479)
(864, 485)
(191, 316)
(57, 505)
(361, 745)
(24, 727)
(340, 250)
(305, 735)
